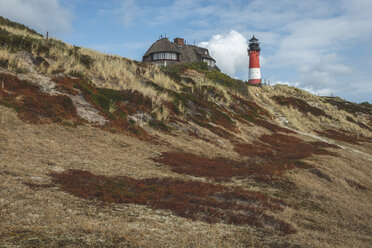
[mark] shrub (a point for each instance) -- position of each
(231, 83)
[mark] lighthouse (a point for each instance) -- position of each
(254, 61)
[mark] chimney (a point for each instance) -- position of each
(179, 41)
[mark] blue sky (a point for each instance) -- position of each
(322, 46)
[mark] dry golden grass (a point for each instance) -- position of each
(14, 61)
(301, 121)
(19, 32)
(109, 71)
(4, 54)
(329, 210)
(52, 214)
(329, 214)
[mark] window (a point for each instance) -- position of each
(157, 56)
(167, 55)
(209, 62)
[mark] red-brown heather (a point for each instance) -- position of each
(101, 99)
(66, 84)
(265, 160)
(249, 112)
(195, 200)
(344, 136)
(34, 106)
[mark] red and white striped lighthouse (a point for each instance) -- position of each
(254, 61)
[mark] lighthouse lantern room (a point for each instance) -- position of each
(254, 61)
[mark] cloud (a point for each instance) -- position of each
(230, 52)
(42, 15)
(323, 46)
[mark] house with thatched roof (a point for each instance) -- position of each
(164, 52)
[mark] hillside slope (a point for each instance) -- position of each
(98, 150)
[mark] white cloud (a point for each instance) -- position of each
(314, 43)
(310, 42)
(230, 52)
(42, 15)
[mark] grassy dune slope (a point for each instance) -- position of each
(101, 151)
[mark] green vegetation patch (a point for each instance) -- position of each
(228, 82)
(117, 105)
(197, 107)
(300, 105)
(16, 43)
(175, 71)
(201, 111)
(349, 107)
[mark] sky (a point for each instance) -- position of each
(322, 46)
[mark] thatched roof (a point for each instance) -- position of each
(192, 53)
(162, 45)
(187, 53)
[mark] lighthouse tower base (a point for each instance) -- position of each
(254, 76)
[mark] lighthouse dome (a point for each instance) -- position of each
(254, 45)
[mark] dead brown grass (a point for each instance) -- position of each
(355, 185)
